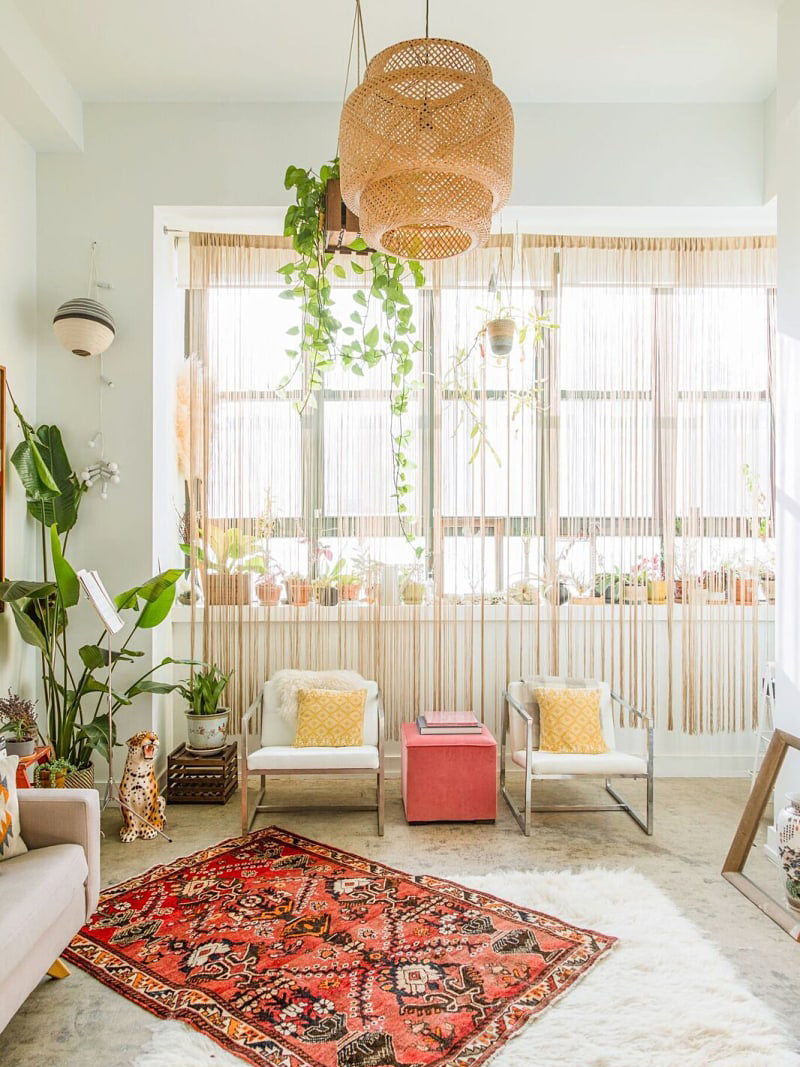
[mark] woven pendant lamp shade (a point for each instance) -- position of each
(84, 326)
(426, 148)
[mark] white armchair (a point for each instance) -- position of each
(267, 749)
(520, 732)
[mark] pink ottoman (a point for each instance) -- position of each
(451, 778)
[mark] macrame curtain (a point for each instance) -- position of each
(599, 504)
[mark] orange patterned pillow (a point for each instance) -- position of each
(569, 721)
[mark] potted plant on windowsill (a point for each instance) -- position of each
(18, 723)
(206, 719)
(768, 582)
(326, 586)
(607, 584)
(298, 589)
(224, 556)
(349, 586)
(269, 584)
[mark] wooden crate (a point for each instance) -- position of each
(201, 779)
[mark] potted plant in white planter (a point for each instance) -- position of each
(18, 723)
(206, 719)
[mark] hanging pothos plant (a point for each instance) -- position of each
(380, 329)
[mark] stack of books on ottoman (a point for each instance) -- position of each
(448, 722)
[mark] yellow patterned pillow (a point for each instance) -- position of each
(330, 718)
(569, 721)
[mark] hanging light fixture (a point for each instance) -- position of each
(426, 146)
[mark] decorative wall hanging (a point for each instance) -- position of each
(83, 325)
(426, 147)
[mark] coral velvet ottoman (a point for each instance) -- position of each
(448, 779)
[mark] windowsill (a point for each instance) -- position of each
(357, 611)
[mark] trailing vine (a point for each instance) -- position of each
(324, 342)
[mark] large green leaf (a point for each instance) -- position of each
(28, 630)
(21, 590)
(149, 686)
(94, 657)
(96, 734)
(158, 594)
(51, 486)
(68, 584)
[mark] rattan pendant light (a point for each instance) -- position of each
(426, 147)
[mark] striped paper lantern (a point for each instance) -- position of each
(84, 326)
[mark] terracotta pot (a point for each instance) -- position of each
(587, 601)
(744, 588)
(501, 335)
(298, 591)
(269, 593)
(44, 780)
(350, 591)
(227, 589)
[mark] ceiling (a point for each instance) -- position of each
(260, 50)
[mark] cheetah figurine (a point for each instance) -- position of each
(138, 790)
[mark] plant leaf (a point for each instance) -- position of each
(68, 585)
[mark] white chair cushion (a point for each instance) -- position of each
(275, 730)
(289, 758)
(548, 764)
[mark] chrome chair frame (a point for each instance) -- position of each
(523, 815)
(253, 715)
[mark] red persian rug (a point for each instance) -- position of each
(292, 953)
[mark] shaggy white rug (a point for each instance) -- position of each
(663, 997)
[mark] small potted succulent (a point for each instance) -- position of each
(607, 584)
(52, 775)
(413, 587)
(269, 589)
(206, 719)
(298, 589)
(18, 723)
(349, 586)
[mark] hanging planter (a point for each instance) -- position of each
(501, 335)
(84, 326)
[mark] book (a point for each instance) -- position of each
(441, 731)
(449, 718)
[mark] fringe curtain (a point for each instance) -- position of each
(597, 505)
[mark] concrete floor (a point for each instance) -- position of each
(78, 1022)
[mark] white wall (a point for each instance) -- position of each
(18, 354)
(788, 428)
(138, 157)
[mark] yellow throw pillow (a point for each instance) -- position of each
(569, 721)
(330, 718)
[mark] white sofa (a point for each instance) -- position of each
(48, 892)
(520, 734)
(267, 749)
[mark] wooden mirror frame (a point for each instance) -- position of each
(733, 869)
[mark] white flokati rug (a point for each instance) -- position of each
(663, 997)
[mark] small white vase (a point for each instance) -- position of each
(787, 826)
(207, 731)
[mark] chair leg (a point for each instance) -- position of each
(645, 824)
(381, 800)
(59, 970)
(245, 813)
(521, 815)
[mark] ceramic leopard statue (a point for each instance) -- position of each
(138, 790)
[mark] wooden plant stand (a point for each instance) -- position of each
(201, 779)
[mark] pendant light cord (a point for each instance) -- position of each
(427, 17)
(358, 44)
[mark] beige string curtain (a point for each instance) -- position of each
(588, 505)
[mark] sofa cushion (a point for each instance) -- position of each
(288, 758)
(11, 843)
(34, 889)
